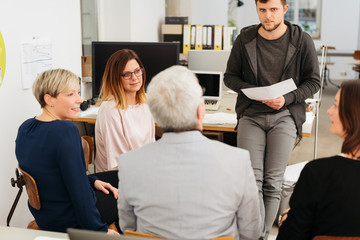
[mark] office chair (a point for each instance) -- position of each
(31, 188)
(145, 235)
(335, 238)
(34, 199)
(88, 148)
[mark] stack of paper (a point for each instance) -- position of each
(292, 173)
(91, 111)
(220, 118)
(307, 125)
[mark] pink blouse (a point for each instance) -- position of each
(118, 131)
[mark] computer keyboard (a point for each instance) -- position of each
(212, 105)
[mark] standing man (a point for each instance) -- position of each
(262, 55)
(186, 186)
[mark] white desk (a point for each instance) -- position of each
(227, 106)
(13, 233)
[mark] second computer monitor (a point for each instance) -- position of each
(208, 60)
(211, 82)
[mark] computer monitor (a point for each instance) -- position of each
(211, 82)
(155, 57)
(81, 234)
(208, 60)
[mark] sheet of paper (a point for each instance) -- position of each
(220, 118)
(90, 112)
(308, 124)
(292, 173)
(270, 92)
(36, 57)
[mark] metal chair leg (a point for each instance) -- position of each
(19, 182)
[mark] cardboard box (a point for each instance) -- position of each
(86, 66)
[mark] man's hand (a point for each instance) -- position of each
(276, 103)
(104, 186)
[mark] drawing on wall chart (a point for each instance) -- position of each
(36, 57)
(2, 59)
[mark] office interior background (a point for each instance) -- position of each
(60, 22)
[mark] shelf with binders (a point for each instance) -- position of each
(200, 37)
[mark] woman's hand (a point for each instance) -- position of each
(283, 217)
(104, 186)
(112, 232)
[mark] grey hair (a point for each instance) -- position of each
(173, 97)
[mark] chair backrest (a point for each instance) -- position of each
(335, 238)
(113, 227)
(138, 234)
(87, 144)
(357, 54)
(223, 238)
(31, 189)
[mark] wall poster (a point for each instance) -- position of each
(36, 57)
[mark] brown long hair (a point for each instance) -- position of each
(349, 113)
(111, 87)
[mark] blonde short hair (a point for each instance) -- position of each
(53, 82)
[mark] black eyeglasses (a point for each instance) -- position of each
(137, 72)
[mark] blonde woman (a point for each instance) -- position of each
(49, 148)
(124, 121)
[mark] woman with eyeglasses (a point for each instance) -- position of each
(124, 121)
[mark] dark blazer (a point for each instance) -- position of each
(301, 64)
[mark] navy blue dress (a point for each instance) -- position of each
(51, 152)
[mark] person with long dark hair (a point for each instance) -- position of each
(326, 195)
(124, 121)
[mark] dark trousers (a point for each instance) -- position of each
(106, 203)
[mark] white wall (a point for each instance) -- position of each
(114, 20)
(359, 31)
(340, 28)
(246, 14)
(130, 20)
(340, 24)
(58, 20)
(211, 12)
(179, 8)
(146, 19)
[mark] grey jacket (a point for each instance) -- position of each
(185, 186)
(301, 64)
